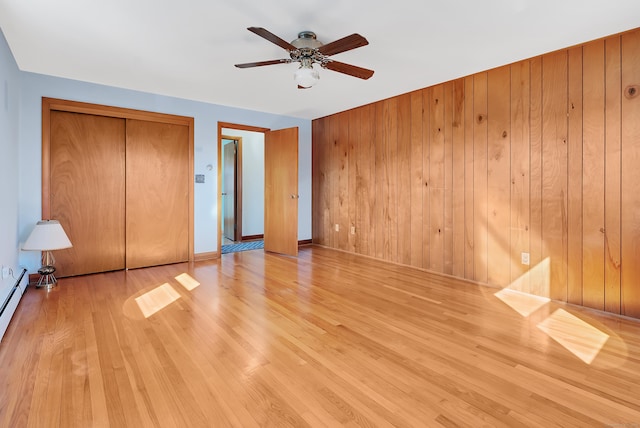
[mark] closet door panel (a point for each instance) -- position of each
(87, 166)
(157, 193)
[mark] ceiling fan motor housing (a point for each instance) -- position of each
(306, 39)
(306, 48)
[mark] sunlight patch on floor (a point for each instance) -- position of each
(156, 299)
(518, 295)
(187, 281)
(523, 303)
(580, 338)
(577, 336)
(536, 280)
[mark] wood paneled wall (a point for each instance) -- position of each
(539, 157)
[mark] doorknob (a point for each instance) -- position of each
(224, 193)
(295, 196)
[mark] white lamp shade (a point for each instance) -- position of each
(46, 236)
(306, 76)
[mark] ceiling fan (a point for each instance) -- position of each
(307, 50)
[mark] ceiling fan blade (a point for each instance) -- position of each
(349, 69)
(344, 44)
(265, 34)
(261, 63)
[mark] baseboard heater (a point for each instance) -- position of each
(10, 304)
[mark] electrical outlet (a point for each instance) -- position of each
(337, 227)
(525, 259)
(5, 272)
(353, 230)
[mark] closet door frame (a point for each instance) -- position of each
(54, 104)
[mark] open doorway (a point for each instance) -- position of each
(275, 180)
(242, 184)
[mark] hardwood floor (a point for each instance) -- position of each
(325, 339)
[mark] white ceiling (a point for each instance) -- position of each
(187, 48)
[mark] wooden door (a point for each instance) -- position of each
(281, 191)
(229, 192)
(157, 193)
(85, 149)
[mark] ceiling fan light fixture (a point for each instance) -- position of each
(306, 76)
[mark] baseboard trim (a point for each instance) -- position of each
(254, 237)
(198, 257)
(251, 237)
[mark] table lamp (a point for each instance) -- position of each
(48, 235)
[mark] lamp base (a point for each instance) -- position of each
(47, 278)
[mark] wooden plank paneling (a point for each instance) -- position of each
(448, 179)
(353, 142)
(321, 209)
(630, 201)
(469, 205)
(480, 176)
(382, 185)
(327, 191)
(317, 183)
(357, 193)
(457, 178)
(426, 188)
(342, 152)
(536, 157)
(574, 178)
(613, 95)
(334, 193)
(417, 181)
(520, 177)
(554, 170)
(593, 181)
(498, 176)
(324, 149)
(539, 277)
(367, 130)
(391, 137)
(404, 179)
(436, 179)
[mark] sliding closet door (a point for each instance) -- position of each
(157, 193)
(87, 186)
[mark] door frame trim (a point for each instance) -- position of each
(54, 104)
(237, 188)
(239, 127)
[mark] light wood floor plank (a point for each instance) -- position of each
(324, 339)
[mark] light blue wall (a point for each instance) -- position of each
(207, 116)
(252, 183)
(9, 172)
